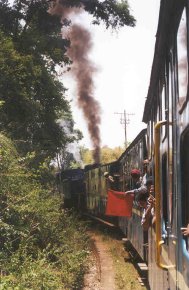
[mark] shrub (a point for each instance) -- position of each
(42, 245)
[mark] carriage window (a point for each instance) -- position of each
(149, 140)
(182, 59)
(150, 134)
(185, 180)
(170, 139)
(164, 117)
(152, 137)
(164, 189)
(170, 90)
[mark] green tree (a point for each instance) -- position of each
(33, 103)
(86, 155)
(29, 86)
(31, 48)
(113, 13)
(106, 154)
(110, 154)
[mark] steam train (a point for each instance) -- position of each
(165, 143)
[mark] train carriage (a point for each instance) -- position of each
(133, 157)
(96, 187)
(72, 188)
(167, 116)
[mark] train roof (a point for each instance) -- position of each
(168, 8)
(95, 165)
(141, 135)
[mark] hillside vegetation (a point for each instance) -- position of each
(41, 246)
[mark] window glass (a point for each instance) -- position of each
(170, 130)
(149, 140)
(182, 59)
(185, 181)
(163, 110)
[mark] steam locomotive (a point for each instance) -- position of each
(165, 143)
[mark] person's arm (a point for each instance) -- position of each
(147, 217)
(141, 189)
(185, 231)
(129, 192)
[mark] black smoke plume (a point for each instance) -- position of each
(83, 71)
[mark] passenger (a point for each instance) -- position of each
(147, 203)
(116, 178)
(145, 171)
(136, 178)
(139, 187)
(150, 191)
(149, 185)
(110, 180)
(185, 231)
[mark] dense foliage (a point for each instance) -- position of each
(41, 246)
(31, 48)
(112, 12)
(34, 99)
(107, 154)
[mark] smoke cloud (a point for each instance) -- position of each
(83, 71)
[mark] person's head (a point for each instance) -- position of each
(135, 174)
(142, 200)
(145, 165)
(106, 174)
(149, 183)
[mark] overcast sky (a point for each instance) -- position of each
(124, 61)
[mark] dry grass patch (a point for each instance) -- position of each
(126, 275)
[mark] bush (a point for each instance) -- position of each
(42, 245)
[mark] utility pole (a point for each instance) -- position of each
(125, 121)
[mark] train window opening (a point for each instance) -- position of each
(164, 190)
(149, 140)
(184, 180)
(182, 59)
(170, 92)
(163, 102)
(163, 110)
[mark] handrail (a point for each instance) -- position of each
(159, 241)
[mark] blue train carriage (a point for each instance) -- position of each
(132, 158)
(166, 113)
(72, 188)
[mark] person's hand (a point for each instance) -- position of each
(151, 200)
(111, 178)
(185, 231)
(128, 192)
(152, 189)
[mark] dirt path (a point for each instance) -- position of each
(101, 274)
(111, 267)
